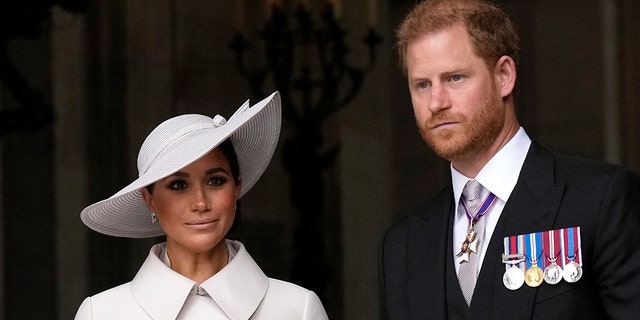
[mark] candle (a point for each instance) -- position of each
(373, 13)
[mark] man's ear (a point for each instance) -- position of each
(505, 75)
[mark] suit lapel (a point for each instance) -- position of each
(536, 199)
(427, 252)
(532, 207)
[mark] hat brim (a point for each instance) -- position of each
(254, 132)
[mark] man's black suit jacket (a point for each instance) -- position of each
(552, 192)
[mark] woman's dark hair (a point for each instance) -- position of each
(235, 232)
(229, 152)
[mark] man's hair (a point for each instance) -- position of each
(490, 30)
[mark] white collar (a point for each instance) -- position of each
(199, 290)
(238, 288)
(501, 173)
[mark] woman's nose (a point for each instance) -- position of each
(201, 201)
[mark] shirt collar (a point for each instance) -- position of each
(238, 288)
(197, 290)
(501, 173)
(160, 291)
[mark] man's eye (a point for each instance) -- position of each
(456, 77)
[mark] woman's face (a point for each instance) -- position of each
(196, 205)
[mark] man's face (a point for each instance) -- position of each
(457, 107)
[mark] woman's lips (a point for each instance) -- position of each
(202, 224)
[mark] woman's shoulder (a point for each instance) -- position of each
(291, 299)
(119, 295)
(115, 293)
(281, 286)
(109, 304)
(286, 300)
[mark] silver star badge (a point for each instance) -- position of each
(469, 245)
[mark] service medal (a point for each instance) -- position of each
(513, 258)
(533, 245)
(513, 278)
(572, 272)
(534, 276)
(552, 244)
(553, 273)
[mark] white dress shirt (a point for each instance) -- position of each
(498, 176)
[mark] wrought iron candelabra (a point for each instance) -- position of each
(307, 62)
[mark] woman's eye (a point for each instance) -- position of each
(423, 85)
(216, 181)
(178, 185)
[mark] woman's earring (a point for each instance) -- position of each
(154, 219)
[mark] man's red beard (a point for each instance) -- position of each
(469, 136)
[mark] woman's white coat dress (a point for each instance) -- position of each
(239, 291)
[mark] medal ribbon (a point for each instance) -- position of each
(571, 238)
(509, 242)
(578, 252)
(530, 250)
(557, 247)
(551, 241)
(546, 248)
(563, 248)
(521, 249)
(515, 245)
(540, 250)
(561, 244)
(484, 208)
(569, 254)
(533, 246)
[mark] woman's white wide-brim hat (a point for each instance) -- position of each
(176, 143)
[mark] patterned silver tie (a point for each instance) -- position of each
(469, 270)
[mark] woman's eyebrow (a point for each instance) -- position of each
(217, 169)
(181, 174)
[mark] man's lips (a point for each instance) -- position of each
(441, 124)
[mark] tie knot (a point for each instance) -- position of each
(471, 190)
